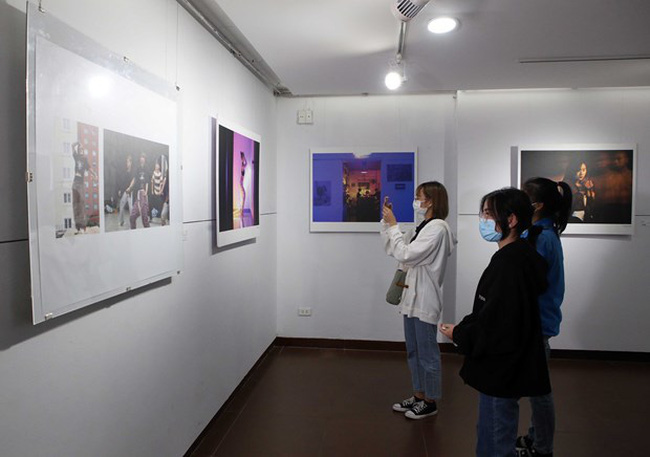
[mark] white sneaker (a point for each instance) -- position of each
(405, 405)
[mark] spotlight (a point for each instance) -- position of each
(405, 10)
(393, 80)
(442, 25)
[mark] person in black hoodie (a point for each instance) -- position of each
(502, 337)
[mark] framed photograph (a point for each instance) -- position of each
(237, 153)
(349, 185)
(601, 177)
(137, 182)
(103, 171)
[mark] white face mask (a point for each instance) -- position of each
(417, 207)
(420, 212)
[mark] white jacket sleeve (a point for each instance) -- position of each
(386, 236)
(420, 251)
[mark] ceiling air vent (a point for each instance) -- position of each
(405, 10)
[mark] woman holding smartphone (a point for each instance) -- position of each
(423, 253)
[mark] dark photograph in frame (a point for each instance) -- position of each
(601, 178)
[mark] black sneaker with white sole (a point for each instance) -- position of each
(405, 405)
(531, 453)
(525, 448)
(422, 409)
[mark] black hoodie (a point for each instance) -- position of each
(502, 337)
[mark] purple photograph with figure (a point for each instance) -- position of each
(237, 155)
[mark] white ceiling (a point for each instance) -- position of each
(342, 47)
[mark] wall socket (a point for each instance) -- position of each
(304, 312)
(305, 116)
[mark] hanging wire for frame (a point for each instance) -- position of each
(178, 88)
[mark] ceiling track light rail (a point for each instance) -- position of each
(401, 43)
(396, 75)
(270, 80)
(585, 59)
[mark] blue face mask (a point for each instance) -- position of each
(488, 229)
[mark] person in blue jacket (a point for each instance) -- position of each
(552, 207)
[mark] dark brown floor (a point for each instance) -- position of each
(337, 403)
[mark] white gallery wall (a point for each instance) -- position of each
(606, 304)
(343, 277)
(140, 374)
(466, 143)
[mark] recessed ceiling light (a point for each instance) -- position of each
(442, 25)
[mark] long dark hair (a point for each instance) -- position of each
(504, 202)
(556, 197)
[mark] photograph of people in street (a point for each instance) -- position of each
(136, 176)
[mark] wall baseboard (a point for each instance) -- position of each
(612, 356)
(325, 343)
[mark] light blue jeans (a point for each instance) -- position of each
(498, 419)
(423, 357)
(542, 425)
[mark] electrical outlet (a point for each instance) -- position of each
(301, 116)
(309, 116)
(304, 312)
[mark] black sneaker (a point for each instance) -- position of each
(532, 453)
(524, 448)
(524, 443)
(405, 405)
(421, 410)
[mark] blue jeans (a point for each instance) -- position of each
(423, 357)
(498, 419)
(542, 425)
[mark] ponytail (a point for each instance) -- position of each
(564, 210)
(556, 197)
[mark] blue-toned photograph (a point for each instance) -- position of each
(322, 193)
(399, 172)
(347, 188)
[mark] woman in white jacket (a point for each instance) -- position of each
(423, 253)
